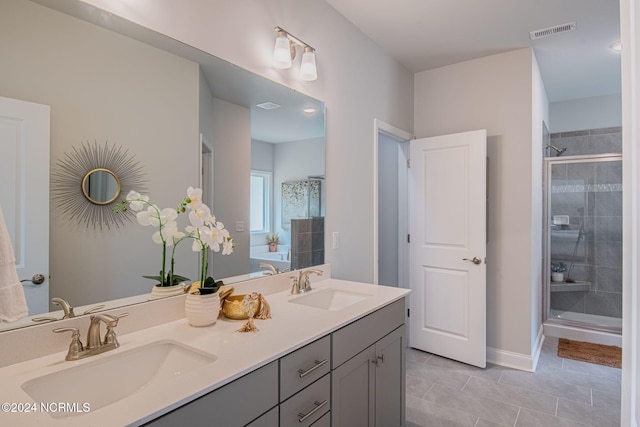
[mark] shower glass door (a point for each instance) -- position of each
(584, 241)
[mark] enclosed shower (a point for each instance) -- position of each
(583, 230)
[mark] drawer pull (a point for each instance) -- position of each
(317, 364)
(304, 417)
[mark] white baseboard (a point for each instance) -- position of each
(523, 362)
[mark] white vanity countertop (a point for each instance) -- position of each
(292, 326)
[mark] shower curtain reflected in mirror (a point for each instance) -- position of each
(584, 240)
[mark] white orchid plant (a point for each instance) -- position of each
(205, 231)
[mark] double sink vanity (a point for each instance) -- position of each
(330, 356)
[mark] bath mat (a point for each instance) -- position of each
(607, 355)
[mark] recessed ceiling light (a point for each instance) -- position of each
(268, 105)
(309, 110)
(616, 47)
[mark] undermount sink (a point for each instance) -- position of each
(330, 299)
(111, 378)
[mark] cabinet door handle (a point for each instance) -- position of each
(378, 359)
(304, 417)
(302, 373)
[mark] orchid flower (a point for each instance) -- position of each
(204, 229)
(167, 233)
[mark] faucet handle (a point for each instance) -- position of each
(76, 347)
(295, 285)
(110, 335)
(94, 309)
(44, 319)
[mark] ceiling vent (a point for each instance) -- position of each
(268, 105)
(552, 31)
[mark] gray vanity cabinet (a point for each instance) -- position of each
(305, 384)
(233, 405)
(368, 386)
(352, 377)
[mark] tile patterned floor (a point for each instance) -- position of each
(562, 393)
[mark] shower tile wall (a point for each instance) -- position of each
(590, 141)
(307, 242)
(599, 253)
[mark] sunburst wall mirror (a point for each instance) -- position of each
(87, 180)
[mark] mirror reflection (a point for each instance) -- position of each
(195, 123)
(101, 186)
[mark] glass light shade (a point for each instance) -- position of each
(308, 71)
(282, 53)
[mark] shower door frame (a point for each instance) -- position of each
(546, 238)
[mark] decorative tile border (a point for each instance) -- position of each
(586, 188)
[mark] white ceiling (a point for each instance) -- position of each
(427, 34)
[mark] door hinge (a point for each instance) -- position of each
(408, 238)
(408, 163)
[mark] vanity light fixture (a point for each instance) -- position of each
(285, 51)
(308, 71)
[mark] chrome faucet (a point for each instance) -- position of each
(272, 270)
(304, 284)
(95, 345)
(93, 336)
(66, 307)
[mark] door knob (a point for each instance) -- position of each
(474, 260)
(37, 279)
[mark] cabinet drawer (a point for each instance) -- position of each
(233, 405)
(353, 338)
(270, 419)
(325, 421)
(306, 407)
(304, 366)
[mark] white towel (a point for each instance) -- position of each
(13, 304)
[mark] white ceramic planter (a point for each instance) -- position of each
(167, 291)
(557, 277)
(202, 310)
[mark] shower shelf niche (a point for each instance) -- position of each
(570, 287)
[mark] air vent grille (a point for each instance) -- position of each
(268, 105)
(552, 31)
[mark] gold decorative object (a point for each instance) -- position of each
(233, 308)
(225, 292)
(249, 305)
(265, 310)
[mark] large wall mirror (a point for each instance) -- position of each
(190, 119)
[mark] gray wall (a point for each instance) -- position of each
(388, 215)
(499, 93)
(231, 140)
(586, 113)
(58, 63)
(355, 91)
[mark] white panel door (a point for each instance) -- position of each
(447, 187)
(24, 173)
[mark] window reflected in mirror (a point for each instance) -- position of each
(261, 205)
